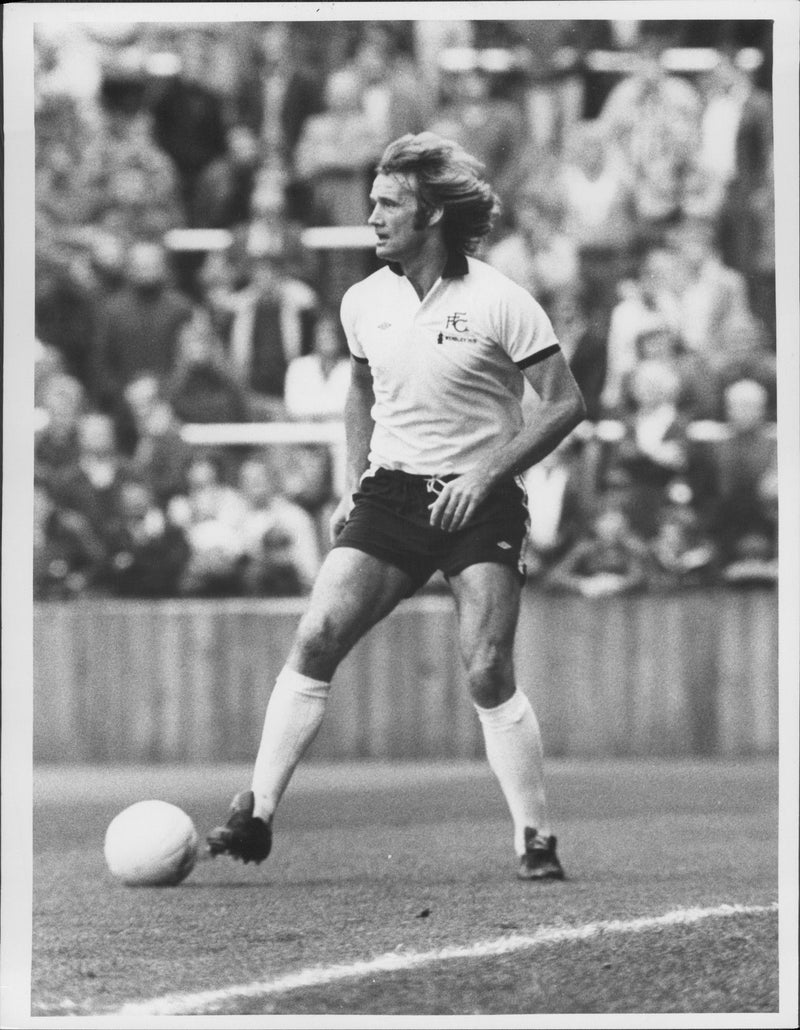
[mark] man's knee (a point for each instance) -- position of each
(319, 645)
(490, 672)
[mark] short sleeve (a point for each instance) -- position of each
(347, 314)
(523, 329)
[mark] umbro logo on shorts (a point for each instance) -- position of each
(504, 544)
(385, 325)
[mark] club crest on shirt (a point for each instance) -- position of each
(459, 328)
(457, 321)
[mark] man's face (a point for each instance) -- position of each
(745, 406)
(142, 396)
(194, 54)
(394, 218)
(96, 433)
(659, 274)
(254, 483)
(610, 526)
(201, 476)
(135, 501)
(658, 345)
(147, 265)
(372, 62)
(43, 506)
(62, 401)
(537, 216)
(472, 86)
(694, 248)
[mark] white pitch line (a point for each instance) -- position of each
(206, 1002)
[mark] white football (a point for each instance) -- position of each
(151, 844)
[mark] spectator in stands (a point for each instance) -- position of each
(599, 215)
(218, 281)
(751, 356)
(203, 387)
(646, 303)
(69, 293)
(273, 323)
(124, 183)
(390, 90)
(131, 210)
(556, 93)
(711, 296)
(714, 312)
(745, 476)
(582, 341)
(107, 264)
(279, 538)
(317, 383)
(560, 496)
(653, 120)
(699, 391)
(63, 306)
(225, 187)
(160, 458)
(683, 554)
(188, 120)
(336, 154)
(67, 554)
(271, 218)
(538, 255)
(738, 149)
(748, 239)
(89, 486)
(307, 476)
(138, 328)
(490, 129)
(613, 560)
(146, 553)
(57, 442)
(57, 157)
(47, 363)
(292, 91)
(653, 453)
(210, 515)
(269, 201)
(736, 125)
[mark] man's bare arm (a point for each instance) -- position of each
(561, 410)
(358, 425)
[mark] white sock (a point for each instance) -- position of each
(514, 751)
(293, 716)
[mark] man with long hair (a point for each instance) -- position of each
(441, 345)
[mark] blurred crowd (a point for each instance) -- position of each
(637, 207)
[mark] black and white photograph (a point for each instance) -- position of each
(401, 506)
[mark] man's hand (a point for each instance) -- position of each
(458, 501)
(340, 516)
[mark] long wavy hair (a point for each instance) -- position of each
(447, 177)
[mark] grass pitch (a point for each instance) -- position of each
(392, 889)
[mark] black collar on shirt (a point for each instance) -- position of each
(454, 267)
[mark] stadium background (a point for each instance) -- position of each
(391, 889)
(214, 179)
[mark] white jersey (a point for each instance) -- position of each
(447, 370)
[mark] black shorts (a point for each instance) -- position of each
(390, 520)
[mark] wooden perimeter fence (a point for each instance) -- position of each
(694, 673)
